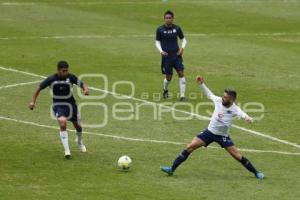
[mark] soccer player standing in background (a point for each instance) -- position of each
(218, 130)
(171, 54)
(64, 104)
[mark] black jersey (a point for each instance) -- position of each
(61, 87)
(168, 37)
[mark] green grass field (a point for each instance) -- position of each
(253, 46)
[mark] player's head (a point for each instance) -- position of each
(62, 68)
(229, 97)
(169, 17)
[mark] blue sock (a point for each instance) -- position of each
(180, 159)
(248, 165)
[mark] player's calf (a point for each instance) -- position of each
(248, 165)
(79, 141)
(62, 121)
(235, 153)
(65, 143)
(167, 81)
(183, 156)
(182, 85)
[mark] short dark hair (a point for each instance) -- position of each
(169, 12)
(231, 92)
(62, 64)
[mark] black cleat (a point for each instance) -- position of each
(166, 94)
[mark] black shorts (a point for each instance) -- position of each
(64, 109)
(208, 137)
(169, 62)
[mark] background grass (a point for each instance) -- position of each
(232, 43)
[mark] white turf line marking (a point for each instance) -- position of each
(21, 72)
(203, 117)
(173, 109)
(140, 139)
(64, 37)
(18, 84)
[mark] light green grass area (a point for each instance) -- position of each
(252, 46)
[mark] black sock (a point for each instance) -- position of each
(180, 159)
(248, 165)
(79, 129)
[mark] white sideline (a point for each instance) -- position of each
(64, 37)
(18, 84)
(140, 139)
(174, 109)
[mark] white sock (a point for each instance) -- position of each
(65, 141)
(182, 86)
(166, 83)
(79, 137)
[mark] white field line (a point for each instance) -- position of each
(140, 139)
(174, 109)
(65, 37)
(202, 117)
(21, 72)
(19, 84)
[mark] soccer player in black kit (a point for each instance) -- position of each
(171, 55)
(64, 104)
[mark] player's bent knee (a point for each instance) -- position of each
(195, 144)
(62, 121)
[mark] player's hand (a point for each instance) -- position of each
(86, 92)
(249, 120)
(31, 105)
(163, 53)
(200, 79)
(180, 52)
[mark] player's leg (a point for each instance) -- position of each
(235, 153)
(202, 139)
(79, 140)
(195, 144)
(180, 71)
(167, 81)
(182, 85)
(62, 121)
(168, 71)
(75, 119)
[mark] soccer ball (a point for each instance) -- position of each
(124, 162)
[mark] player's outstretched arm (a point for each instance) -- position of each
(45, 83)
(207, 92)
(85, 89)
(244, 116)
(34, 98)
